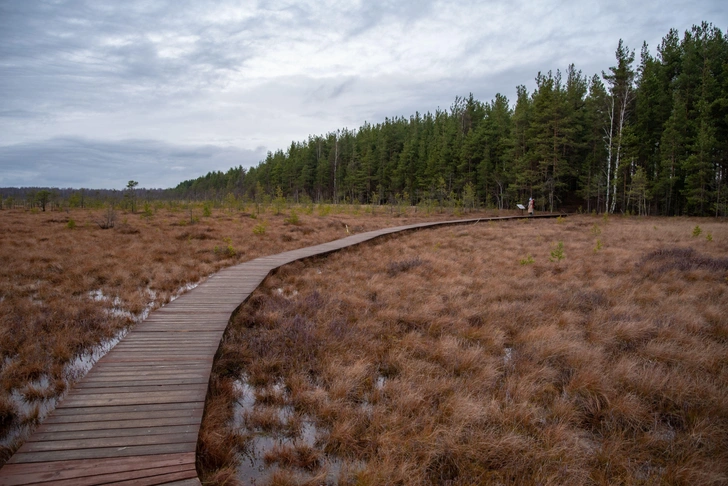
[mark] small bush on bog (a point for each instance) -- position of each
(293, 218)
(557, 254)
(324, 210)
(527, 261)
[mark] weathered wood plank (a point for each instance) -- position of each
(121, 423)
(156, 429)
(106, 399)
(136, 381)
(86, 470)
(162, 479)
(104, 391)
(106, 442)
(97, 453)
(152, 476)
(178, 406)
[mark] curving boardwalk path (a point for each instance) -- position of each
(135, 417)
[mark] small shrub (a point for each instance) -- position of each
(697, 231)
(557, 254)
(147, 213)
(709, 237)
(596, 230)
(226, 251)
(108, 219)
(71, 224)
(598, 246)
(192, 217)
(279, 202)
(324, 210)
(293, 218)
(527, 261)
(259, 228)
(229, 249)
(206, 210)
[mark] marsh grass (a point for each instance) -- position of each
(470, 368)
(64, 291)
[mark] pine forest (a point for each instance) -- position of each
(647, 136)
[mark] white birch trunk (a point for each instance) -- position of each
(622, 116)
(610, 136)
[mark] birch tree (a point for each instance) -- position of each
(621, 94)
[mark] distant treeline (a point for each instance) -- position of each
(647, 137)
(55, 198)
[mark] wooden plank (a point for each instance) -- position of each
(120, 423)
(135, 381)
(106, 399)
(129, 419)
(142, 450)
(179, 406)
(161, 479)
(154, 429)
(110, 378)
(160, 475)
(108, 442)
(55, 471)
(130, 388)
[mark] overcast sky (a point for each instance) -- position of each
(96, 93)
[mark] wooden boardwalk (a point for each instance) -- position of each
(135, 417)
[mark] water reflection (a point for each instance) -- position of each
(293, 446)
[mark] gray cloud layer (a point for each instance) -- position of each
(76, 162)
(97, 86)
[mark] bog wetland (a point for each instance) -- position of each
(458, 355)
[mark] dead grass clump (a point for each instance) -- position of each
(402, 266)
(300, 456)
(663, 260)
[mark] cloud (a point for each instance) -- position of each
(76, 162)
(251, 74)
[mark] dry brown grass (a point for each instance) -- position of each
(65, 290)
(439, 358)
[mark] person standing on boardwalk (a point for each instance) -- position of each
(530, 206)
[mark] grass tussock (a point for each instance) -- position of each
(66, 288)
(467, 367)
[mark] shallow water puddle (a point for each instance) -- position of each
(253, 468)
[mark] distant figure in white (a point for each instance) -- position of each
(530, 206)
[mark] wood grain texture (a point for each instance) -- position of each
(135, 417)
